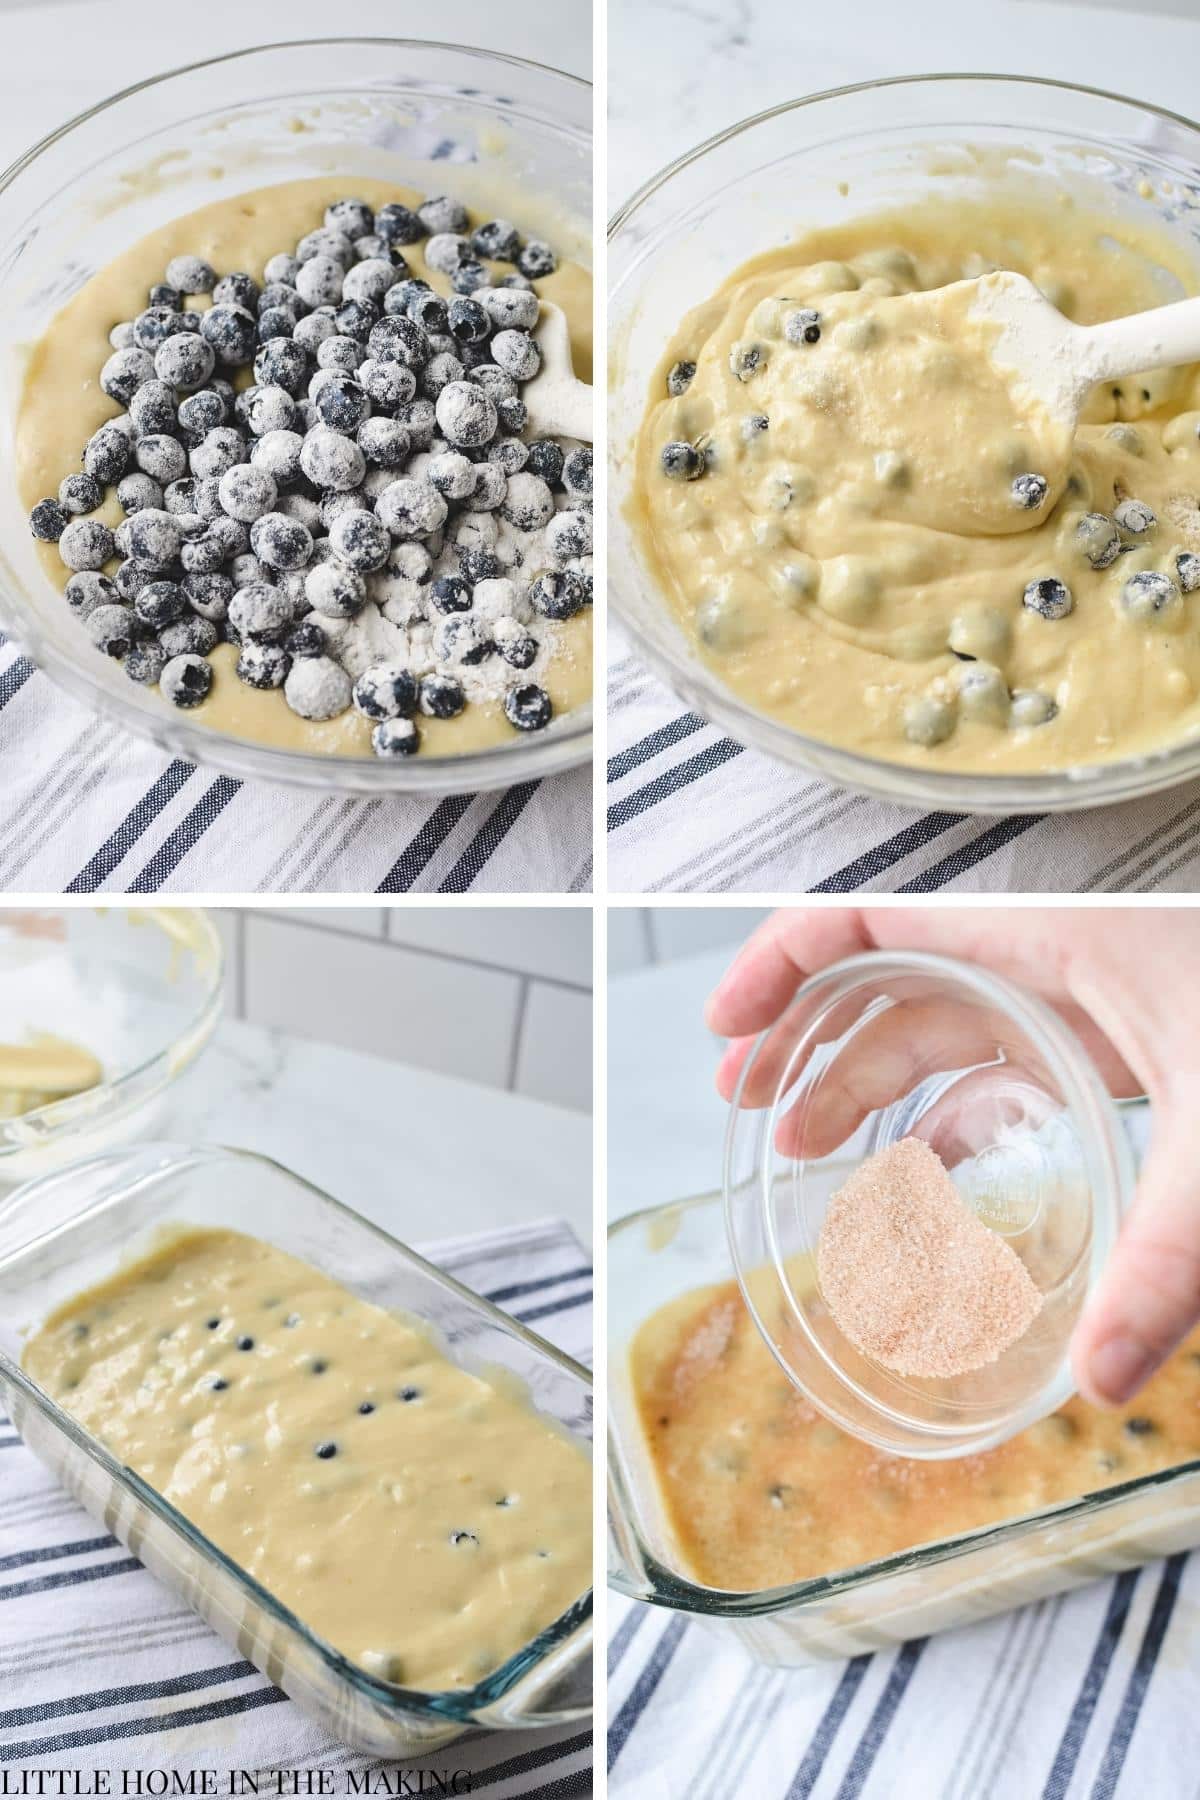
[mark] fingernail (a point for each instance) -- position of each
(1119, 1367)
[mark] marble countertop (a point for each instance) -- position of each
(680, 70)
(423, 1155)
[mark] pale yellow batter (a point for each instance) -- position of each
(762, 1490)
(63, 405)
(43, 1069)
(853, 558)
(416, 1517)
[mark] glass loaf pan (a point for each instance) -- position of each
(657, 1255)
(64, 1233)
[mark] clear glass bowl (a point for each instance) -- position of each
(679, 237)
(64, 1234)
(139, 987)
(659, 1255)
(373, 107)
(882, 1047)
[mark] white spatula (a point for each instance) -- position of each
(1061, 362)
(558, 403)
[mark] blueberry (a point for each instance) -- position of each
(325, 1451)
(48, 521)
(399, 340)
(387, 384)
(231, 332)
(161, 456)
(137, 491)
(511, 454)
(332, 461)
(1049, 597)
(1098, 539)
(212, 1324)
(198, 414)
(467, 1538)
(468, 322)
(282, 363)
(106, 455)
(1031, 707)
(489, 488)
(1148, 595)
(1029, 491)
(353, 218)
(320, 282)
(342, 403)
(518, 648)
(87, 590)
(236, 290)
(395, 737)
(469, 276)
(361, 539)
(441, 697)
(163, 294)
(281, 542)
(79, 494)
(191, 275)
(528, 502)
(189, 636)
(408, 1394)
(577, 473)
(679, 378)
(459, 639)
(498, 240)
(160, 603)
(397, 224)
(1139, 1426)
(451, 594)
(145, 663)
(220, 1384)
(528, 708)
(1135, 517)
(263, 665)
(682, 461)
(281, 296)
(111, 629)
(478, 564)
(155, 325)
(260, 611)
(209, 595)
(154, 537)
(305, 639)
(274, 326)
(517, 353)
(245, 1343)
(1187, 568)
(556, 594)
(440, 213)
(386, 691)
(802, 326)
(428, 310)
(84, 543)
(185, 360)
(384, 442)
(547, 460)
(335, 591)
(357, 319)
(366, 1406)
(219, 451)
(124, 373)
(536, 260)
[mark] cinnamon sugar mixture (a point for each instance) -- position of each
(912, 1277)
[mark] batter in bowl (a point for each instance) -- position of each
(43, 1069)
(64, 405)
(421, 1520)
(868, 539)
(761, 1490)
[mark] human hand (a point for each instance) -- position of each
(1127, 981)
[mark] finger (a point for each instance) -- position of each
(1148, 1298)
(774, 960)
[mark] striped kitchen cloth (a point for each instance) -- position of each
(691, 811)
(87, 808)
(1087, 1696)
(100, 1667)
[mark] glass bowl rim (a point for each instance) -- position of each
(459, 1704)
(494, 766)
(1057, 790)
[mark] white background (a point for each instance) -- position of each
(497, 995)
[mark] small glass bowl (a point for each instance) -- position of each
(889, 1046)
(384, 107)
(816, 162)
(139, 988)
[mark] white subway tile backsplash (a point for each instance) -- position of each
(361, 921)
(554, 1060)
(228, 921)
(439, 1014)
(553, 942)
(688, 930)
(629, 945)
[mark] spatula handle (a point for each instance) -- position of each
(1162, 339)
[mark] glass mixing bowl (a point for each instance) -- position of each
(888, 1046)
(389, 108)
(139, 987)
(677, 239)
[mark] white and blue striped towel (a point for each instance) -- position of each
(1087, 1696)
(87, 808)
(100, 1667)
(691, 811)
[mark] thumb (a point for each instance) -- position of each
(1148, 1298)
